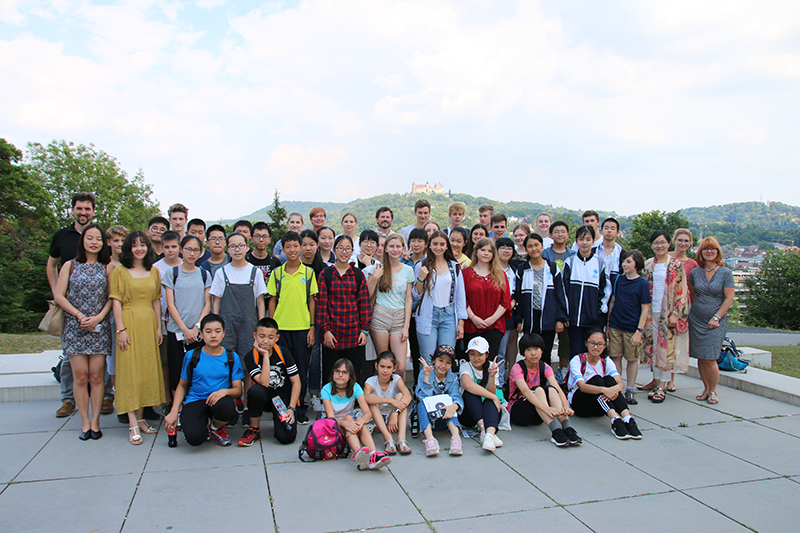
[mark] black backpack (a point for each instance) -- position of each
(177, 269)
(542, 379)
(196, 359)
(327, 275)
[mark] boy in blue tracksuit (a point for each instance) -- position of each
(435, 380)
(538, 294)
(586, 291)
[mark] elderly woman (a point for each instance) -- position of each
(666, 339)
(683, 240)
(711, 290)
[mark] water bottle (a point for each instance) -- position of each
(280, 407)
(172, 437)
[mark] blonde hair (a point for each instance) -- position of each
(496, 273)
(386, 282)
(120, 230)
(456, 207)
(682, 231)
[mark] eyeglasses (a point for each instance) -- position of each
(216, 239)
(157, 229)
(237, 246)
(710, 250)
(191, 250)
(596, 344)
(343, 249)
(341, 372)
(260, 237)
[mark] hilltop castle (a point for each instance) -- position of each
(426, 189)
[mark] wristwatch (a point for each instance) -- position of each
(397, 411)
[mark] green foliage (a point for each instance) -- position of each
(773, 296)
(26, 223)
(64, 168)
(277, 216)
(643, 225)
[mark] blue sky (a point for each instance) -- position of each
(626, 106)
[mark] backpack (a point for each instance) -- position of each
(177, 269)
(276, 349)
(278, 281)
(542, 379)
(323, 441)
(582, 359)
(196, 359)
(730, 358)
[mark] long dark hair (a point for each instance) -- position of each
(126, 256)
(103, 256)
(430, 259)
(469, 247)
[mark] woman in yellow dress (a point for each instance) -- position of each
(136, 293)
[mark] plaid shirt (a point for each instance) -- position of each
(340, 310)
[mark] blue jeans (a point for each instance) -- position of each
(439, 425)
(443, 331)
(501, 356)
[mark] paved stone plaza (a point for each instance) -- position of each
(730, 467)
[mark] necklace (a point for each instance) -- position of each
(711, 269)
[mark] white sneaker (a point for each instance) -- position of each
(488, 443)
(497, 442)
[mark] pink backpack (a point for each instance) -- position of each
(323, 441)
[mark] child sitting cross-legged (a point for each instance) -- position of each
(439, 380)
(211, 378)
(339, 397)
(535, 395)
(388, 398)
(274, 373)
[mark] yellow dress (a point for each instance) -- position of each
(140, 381)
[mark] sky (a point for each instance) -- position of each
(624, 106)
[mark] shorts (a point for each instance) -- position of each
(387, 321)
(619, 344)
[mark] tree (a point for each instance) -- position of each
(26, 223)
(773, 295)
(643, 225)
(277, 216)
(64, 168)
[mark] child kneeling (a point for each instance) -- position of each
(444, 382)
(388, 398)
(211, 378)
(534, 400)
(479, 386)
(279, 377)
(339, 397)
(596, 388)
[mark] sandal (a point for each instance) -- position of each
(403, 447)
(649, 386)
(389, 447)
(702, 397)
(658, 395)
(135, 438)
(713, 399)
(146, 428)
(671, 387)
(651, 394)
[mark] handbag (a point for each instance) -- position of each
(505, 419)
(53, 321)
(730, 358)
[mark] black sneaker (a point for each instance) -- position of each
(572, 435)
(619, 430)
(150, 414)
(559, 438)
(630, 397)
(633, 429)
(301, 419)
(246, 419)
(414, 424)
(232, 423)
(123, 418)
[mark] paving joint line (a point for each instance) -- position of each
(269, 489)
(141, 475)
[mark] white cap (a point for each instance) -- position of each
(478, 344)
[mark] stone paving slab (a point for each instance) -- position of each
(552, 519)
(786, 424)
(18, 450)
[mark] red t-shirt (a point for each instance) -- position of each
(483, 297)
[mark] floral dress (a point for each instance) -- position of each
(88, 293)
(670, 351)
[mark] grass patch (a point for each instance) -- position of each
(785, 359)
(28, 343)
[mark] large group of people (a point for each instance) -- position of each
(211, 328)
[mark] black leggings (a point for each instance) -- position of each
(587, 405)
(195, 415)
(259, 399)
(176, 351)
(475, 409)
(524, 413)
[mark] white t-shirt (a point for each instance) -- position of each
(441, 289)
(591, 371)
(659, 284)
(474, 374)
(391, 391)
(395, 299)
(238, 276)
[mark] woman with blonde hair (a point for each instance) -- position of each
(711, 289)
